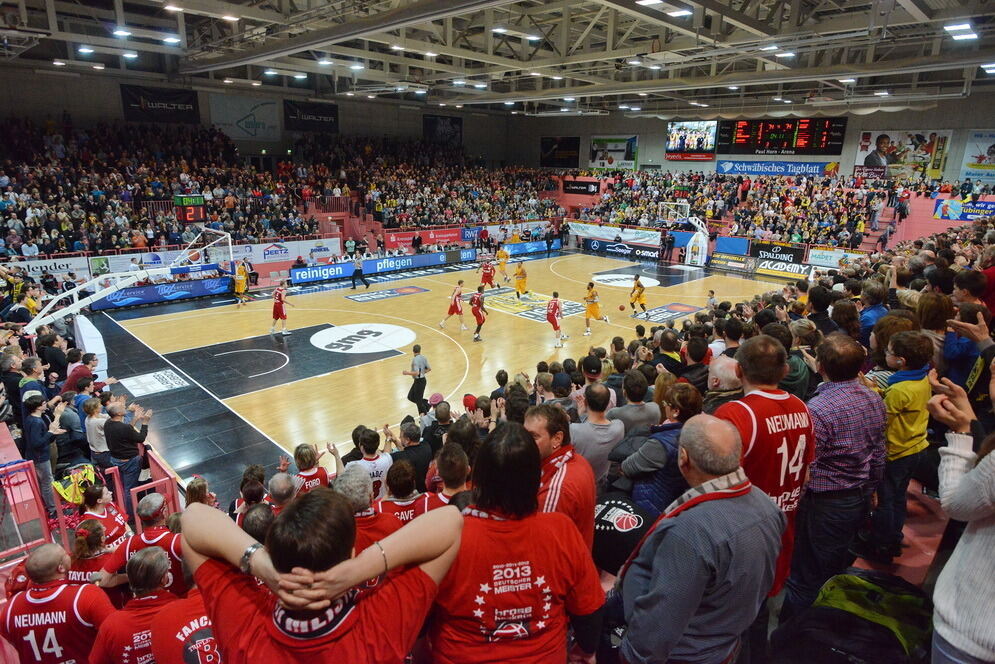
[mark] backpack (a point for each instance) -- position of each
(861, 617)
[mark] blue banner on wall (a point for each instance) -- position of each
(181, 290)
(622, 249)
(809, 168)
(519, 248)
(681, 238)
(958, 210)
(468, 234)
(740, 246)
(307, 275)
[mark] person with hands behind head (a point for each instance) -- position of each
(965, 589)
(38, 436)
(322, 604)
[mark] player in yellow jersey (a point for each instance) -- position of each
(637, 296)
(241, 283)
(592, 309)
(521, 281)
(502, 258)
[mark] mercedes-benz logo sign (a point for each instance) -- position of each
(595, 245)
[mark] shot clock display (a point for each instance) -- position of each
(786, 136)
(190, 209)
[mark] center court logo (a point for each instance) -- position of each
(362, 338)
(623, 280)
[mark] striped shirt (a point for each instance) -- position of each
(849, 424)
(567, 486)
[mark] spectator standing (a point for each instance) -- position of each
(905, 401)
(636, 413)
(595, 438)
(778, 447)
(694, 583)
(412, 449)
(123, 441)
(554, 578)
(848, 419)
(872, 297)
(819, 301)
(723, 384)
(52, 613)
(567, 482)
(314, 536)
(38, 438)
(86, 370)
(182, 632)
(126, 635)
(371, 526)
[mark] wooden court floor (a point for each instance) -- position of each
(342, 364)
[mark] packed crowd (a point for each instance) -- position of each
(480, 531)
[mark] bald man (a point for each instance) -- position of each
(53, 621)
(695, 583)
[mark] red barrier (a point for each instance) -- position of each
(22, 496)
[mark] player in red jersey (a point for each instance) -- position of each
(53, 621)
(478, 310)
(280, 303)
(487, 278)
(554, 314)
(152, 514)
(455, 306)
(182, 633)
(98, 504)
(126, 635)
(313, 534)
(520, 575)
(567, 482)
(776, 429)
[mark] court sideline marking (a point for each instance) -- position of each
(206, 391)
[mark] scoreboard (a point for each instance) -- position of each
(784, 136)
(190, 209)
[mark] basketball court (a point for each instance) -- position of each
(226, 393)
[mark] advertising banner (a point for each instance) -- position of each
(276, 252)
(776, 259)
(519, 248)
(442, 129)
(468, 234)
(870, 172)
(396, 239)
(583, 187)
(905, 153)
(310, 116)
(181, 290)
(729, 244)
(559, 151)
(622, 250)
(311, 274)
(143, 104)
(610, 233)
(979, 157)
(691, 140)
(833, 257)
(78, 265)
(958, 210)
(122, 263)
(807, 168)
(246, 118)
(621, 152)
(732, 262)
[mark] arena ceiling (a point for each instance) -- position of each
(664, 58)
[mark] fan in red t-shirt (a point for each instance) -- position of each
(355, 484)
(182, 632)
(151, 512)
(520, 574)
(98, 503)
(126, 635)
(90, 554)
(402, 500)
(370, 623)
(776, 430)
(567, 483)
(53, 621)
(309, 474)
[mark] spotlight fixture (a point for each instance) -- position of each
(356, 67)
(679, 13)
(171, 40)
(772, 47)
(847, 80)
(122, 32)
(784, 54)
(86, 50)
(734, 87)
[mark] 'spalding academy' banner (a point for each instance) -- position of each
(309, 116)
(979, 157)
(143, 104)
(775, 259)
(246, 118)
(559, 151)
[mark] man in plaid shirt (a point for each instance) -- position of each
(849, 423)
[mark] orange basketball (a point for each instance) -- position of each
(621, 307)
